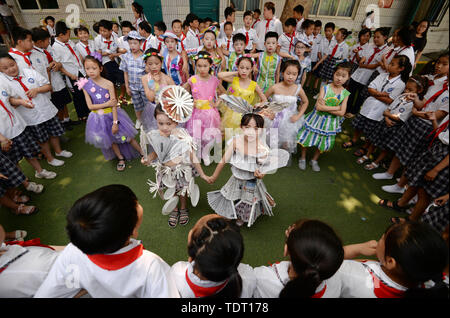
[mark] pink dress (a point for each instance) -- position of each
(204, 123)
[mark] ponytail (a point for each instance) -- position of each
(345, 32)
(403, 61)
(232, 289)
(303, 286)
(438, 291)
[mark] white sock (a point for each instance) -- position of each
(66, 120)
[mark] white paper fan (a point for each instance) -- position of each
(170, 205)
(274, 107)
(177, 103)
(237, 104)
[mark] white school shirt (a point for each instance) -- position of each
(298, 28)
(443, 137)
(27, 268)
(103, 46)
(51, 30)
(192, 40)
(316, 47)
(222, 30)
(20, 60)
(406, 50)
(43, 109)
(56, 78)
(145, 277)
(374, 108)
(301, 36)
(325, 44)
(441, 102)
(287, 43)
(362, 75)
(352, 55)
(12, 123)
(252, 37)
(227, 42)
(70, 62)
(275, 25)
(358, 282)
(149, 42)
(341, 52)
(178, 272)
(270, 281)
(98, 40)
(81, 48)
(123, 44)
(180, 44)
(40, 61)
(401, 107)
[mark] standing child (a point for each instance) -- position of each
(108, 127)
(127, 27)
(269, 63)
(230, 17)
(160, 28)
(307, 32)
(289, 121)
(383, 90)
(286, 41)
(174, 62)
(204, 125)
(334, 56)
(328, 41)
(239, 50)
(133, 68)
(145, 30)
(45, 128)
(324, 122)
(251, 38)
(85, 46)
(242, 86)
(192, 40)
(355, 51)
(41, 59)
(23, 44)
(244, 197)
(176, 164)
(210, 46)
(50, 22)
(65, 53)
(301, 55)
(215, 249)
(317, 39)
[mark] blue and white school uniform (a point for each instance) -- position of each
(317, 39)
(14, 127)
(251, 35)
(192, 40)
(130, 272)
(22, 59)
(190, 285)
(135, 69)
(41, 61)
(372, 110)
(287, 42)
(15, 178)
(352, 55)
(41, 119)
(270, 281)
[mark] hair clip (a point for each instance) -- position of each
(97, 56)
(147, 55)
(248, 56)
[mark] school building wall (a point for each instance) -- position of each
(392, 17)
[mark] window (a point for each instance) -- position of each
(339, 8)
(437, 12)
(104, 4)
(245, 5)
(38, 4)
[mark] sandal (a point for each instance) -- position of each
(361, 160)
(23, 209)
(21, 199)
(371, 166)
(34, 187)
(121, 165)
(348, 144)
(19, 235)
(184, 216)
(174, 217)
(394, 206)
(360, 152)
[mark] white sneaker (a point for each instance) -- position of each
(414, 200)
(138, 124)
(64, 153)
(56, 162)
(302, 164)
(315, 166)
(44, 174)
(393, 189)
(382, 176)
(34, 187)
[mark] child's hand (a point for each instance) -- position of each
(26, 103)
(32, 93)
(3, 177)
(295, 118)
(430, 116)
(369, 248)
(410, 96)
(441, 200)
(115, 129)
(128, 90)
(431, 175)
(389, 122)
(6, 144)
(73, 77)
(259, 175)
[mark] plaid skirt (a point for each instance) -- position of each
(381, 134)
(437, 217)
(364, 124)
(327, 70)
(410, 140)
(50, 128)
(365, 91)
(14, 174)
(317, 71)
(423, 163)
(23, 146)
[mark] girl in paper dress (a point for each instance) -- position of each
(174, 150)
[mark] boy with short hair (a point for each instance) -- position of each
(145, 30)
(23, 44)
(298, 16)
(177, 29)
(269, 62)
(239, 50)
(256, 17)
(115, 28)
(84, 46)
(41, 59)
(192, 40)
(287, 40)
(201, 25)
(250, 34)
(127, 27)
(230, 16)
(270, 24)
(226, 43)
(160, 28)
(317, 39)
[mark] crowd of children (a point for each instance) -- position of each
(201, 83)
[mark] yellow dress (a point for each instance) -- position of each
(231, 119)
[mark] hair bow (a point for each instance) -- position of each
(97, 56)
(81, 82)
(248, 56)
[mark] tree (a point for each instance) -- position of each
(289, 6)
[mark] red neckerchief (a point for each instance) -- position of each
(246, 38)
(228, 44)
(49, 57)
(200, 291)
(11, 115)
(73, 52)
(435, 133)
(267, 24)
(109, 43)
(33, 242)
(375, 51)
(381, 289)
(257, 20)
(321, 293)
(112, 262)
(291, 39)
(26, 56)
(334, 51)
(144, 45)
(354, 56)
(19, 79)
(88, 51)
(435, 96)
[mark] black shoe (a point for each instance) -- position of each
(67, 126)
(74, 122)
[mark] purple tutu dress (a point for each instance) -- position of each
(100, 122)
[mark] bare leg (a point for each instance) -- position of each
(316, 155)
(407, 196)
(54, 142)
(303, 157)
(183, 202)
(8, 202)
(45, 148)
(35, 164)
(421, 205)
(393, 167)
(403, 181)
(115, 148)
(136, 146)
(381, 156)
(138, 114)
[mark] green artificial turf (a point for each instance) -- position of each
(343, 194)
